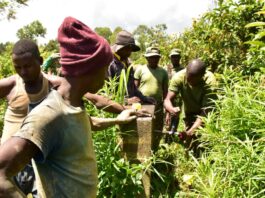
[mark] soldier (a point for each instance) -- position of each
(174, 67)
(152, 81)
(172, 122)
(196, 88)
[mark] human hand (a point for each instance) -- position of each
(133, 100)
(143, 113)
(190, 132)
(126, 116)
(167, 120)
(175, 111)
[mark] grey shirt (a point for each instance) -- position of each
(66, 165)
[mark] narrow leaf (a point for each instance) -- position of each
(255, 24)
(256, 43)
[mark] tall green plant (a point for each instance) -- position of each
(6, 66)
(256, 53)
(234, 140)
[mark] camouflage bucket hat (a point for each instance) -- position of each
(152, 51)
(125, 38)
(175, 52)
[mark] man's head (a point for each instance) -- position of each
(195, 72)
(152, 56)
(27, 60)
(84, 54)
(125, 44)
(175, 56)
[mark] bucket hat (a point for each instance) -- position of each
(125, 38)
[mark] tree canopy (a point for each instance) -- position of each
(8, 8)
(32, 31)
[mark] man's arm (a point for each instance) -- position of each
(124, 117)
(165, 89)
(6, 85)
(104, 103)
(168, 103)
(198, 122)
(15, 154)
(137, 83)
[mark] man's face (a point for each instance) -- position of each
(125, 52)
(97, 79)
(175, 59)
(153, 61)
(194, 79)
(27, 67)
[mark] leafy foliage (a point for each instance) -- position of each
(256, 53)
(6, 67)
(219, 36)
(8, 8)
(114, 34)
(32, 31)
(153, 36)
(105, 32)
(234, 140)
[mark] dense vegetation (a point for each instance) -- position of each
(231, 40)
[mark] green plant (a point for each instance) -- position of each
(256, 53)
(233, 138)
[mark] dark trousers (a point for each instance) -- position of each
(192, 142)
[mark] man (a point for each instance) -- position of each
(196, 87)
(152, 81)
(172, 69)
(57, 133)
(122, 49)
(23, 92)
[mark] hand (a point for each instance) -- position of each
(167, 121)
(190, 133)
(126, 116)
(133, 100)
(143, 113)
(175, 111)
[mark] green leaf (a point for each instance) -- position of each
(256, 43)
(261, 12)
(263, 48)
(255, 24)
(259, 35)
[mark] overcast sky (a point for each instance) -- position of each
(176, 14)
